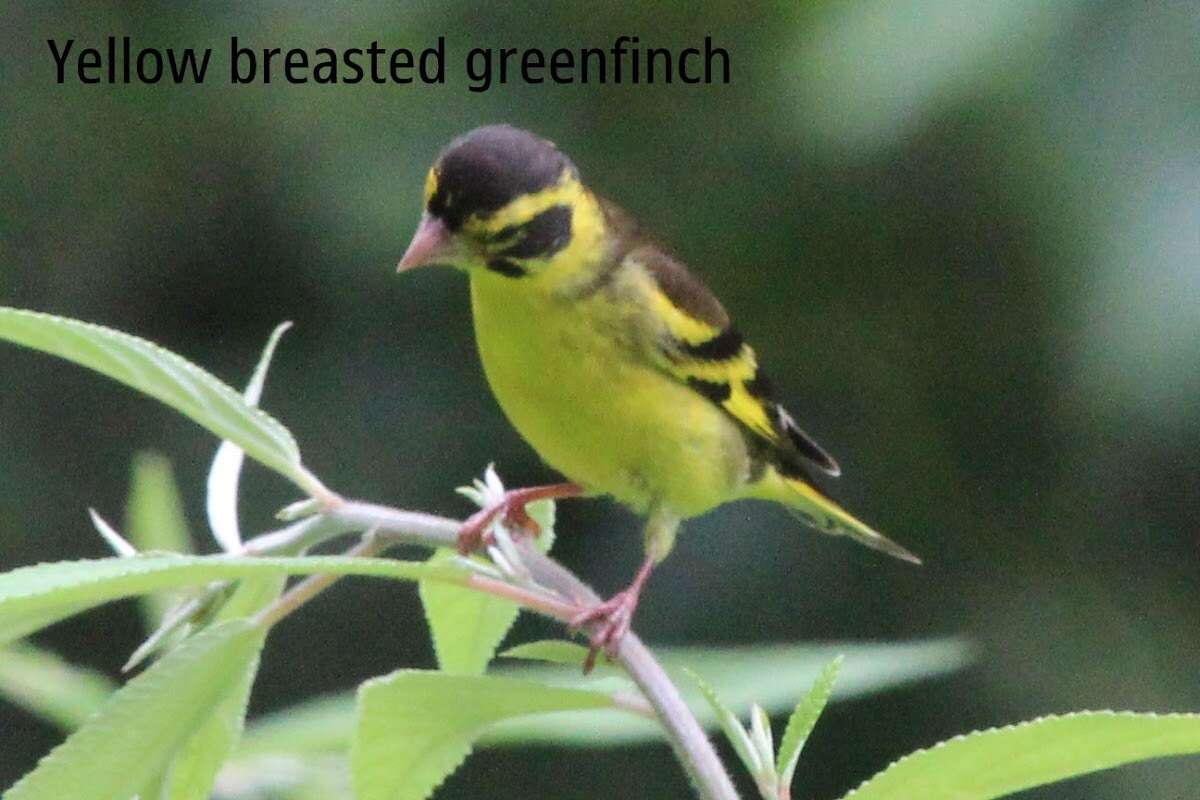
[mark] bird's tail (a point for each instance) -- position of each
(819, 511)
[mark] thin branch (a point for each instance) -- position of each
(530, 598)
(692, 747)
(313, 585)
(395, 526)
(635, 703)
(688, 740)
(392, 526)
(297, 537)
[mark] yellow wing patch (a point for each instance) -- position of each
(680, 325)
(717, 363)
(751, 412)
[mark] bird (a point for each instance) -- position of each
(612, 360)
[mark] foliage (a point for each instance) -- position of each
(415, 728)
(1003, 761)
(139, 728)
(169, 731)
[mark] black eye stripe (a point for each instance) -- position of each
(507, 268)
(540, 237)
(440, 208)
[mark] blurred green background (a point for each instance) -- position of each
(964, 236)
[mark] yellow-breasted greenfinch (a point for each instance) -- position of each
(612, 360)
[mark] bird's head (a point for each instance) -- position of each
(504, 200)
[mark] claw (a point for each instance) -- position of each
(611, 619)
(474, 535)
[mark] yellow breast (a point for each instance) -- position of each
(573, 385)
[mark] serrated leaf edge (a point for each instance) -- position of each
(800, 726)
(1018, 726)
(278, 431)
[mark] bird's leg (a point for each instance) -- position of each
(614, 616)
(473, 535)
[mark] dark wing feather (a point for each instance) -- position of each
(705, 350)
(806, 445)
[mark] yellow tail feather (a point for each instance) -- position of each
(820, 512)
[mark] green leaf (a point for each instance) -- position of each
(416, 727)
(764, 674)
(164, 376)
(37, 596)
(221, 499)
(467, 626)
(46, 685)
(194, 769)
(769, 674)
(286, 778)
(320, 726)
(800, 725)
(557, 651)
(764, 745)
(152, 789)
(735, 732)
(258, 378)
(128, 741)
(998, 762)
(772, 673)
(154, 514)
(155, 522)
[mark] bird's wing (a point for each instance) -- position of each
(699, 345)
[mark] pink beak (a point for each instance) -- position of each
(428, 246)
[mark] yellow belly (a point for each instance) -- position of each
(596, 412)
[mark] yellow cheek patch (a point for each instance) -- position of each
(587, 233)
(572, 263)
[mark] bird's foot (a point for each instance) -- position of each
(612, 619)
(475, 533)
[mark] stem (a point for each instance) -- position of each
(529, 598)
(295, 538)
(313, 487)
(635, 703)
(391, 526)
(687, 738)
(394, 526)
(313, 585)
